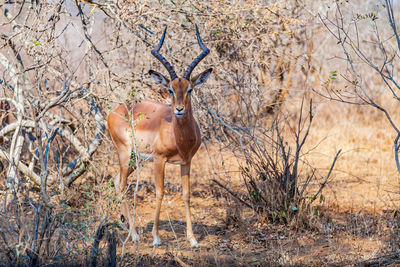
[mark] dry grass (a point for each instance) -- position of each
(343, 234)
(270, 61)
(366, 177)
(357, 222)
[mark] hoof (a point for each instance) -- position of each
(193, 242)
(135, 237)
(157, 241)
(123, 223)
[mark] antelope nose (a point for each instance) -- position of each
(179, 109)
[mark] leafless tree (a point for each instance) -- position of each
(370, 43)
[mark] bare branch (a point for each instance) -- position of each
(327, 176)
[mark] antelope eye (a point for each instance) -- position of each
(170, 91)
(189, 90)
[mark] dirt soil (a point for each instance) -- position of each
(234, 236)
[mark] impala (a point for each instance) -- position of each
(163, 133)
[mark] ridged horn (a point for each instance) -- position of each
(196, 61)
(157, 55)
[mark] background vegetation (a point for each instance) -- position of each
(299, 123)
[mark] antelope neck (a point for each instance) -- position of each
(185, 132)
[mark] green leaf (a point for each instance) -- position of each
(36, 42)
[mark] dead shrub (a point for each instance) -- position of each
(276, 174)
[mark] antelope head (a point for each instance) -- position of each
(180, 89)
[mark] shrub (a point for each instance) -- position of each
(275, 173)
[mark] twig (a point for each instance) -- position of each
(327, 176)
(23, 168)
(178, 260)
(112, 249)
(233, 194)
(87, 153)
(103, 229)
(396, 152)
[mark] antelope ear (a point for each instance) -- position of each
(201, 78)
(159, 79)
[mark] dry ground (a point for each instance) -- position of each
(357, 223)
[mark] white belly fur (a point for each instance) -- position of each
(176, 162)
(149, 157)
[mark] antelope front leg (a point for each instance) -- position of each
(185, 173)
(159, 165)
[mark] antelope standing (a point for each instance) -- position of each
(164, 133)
